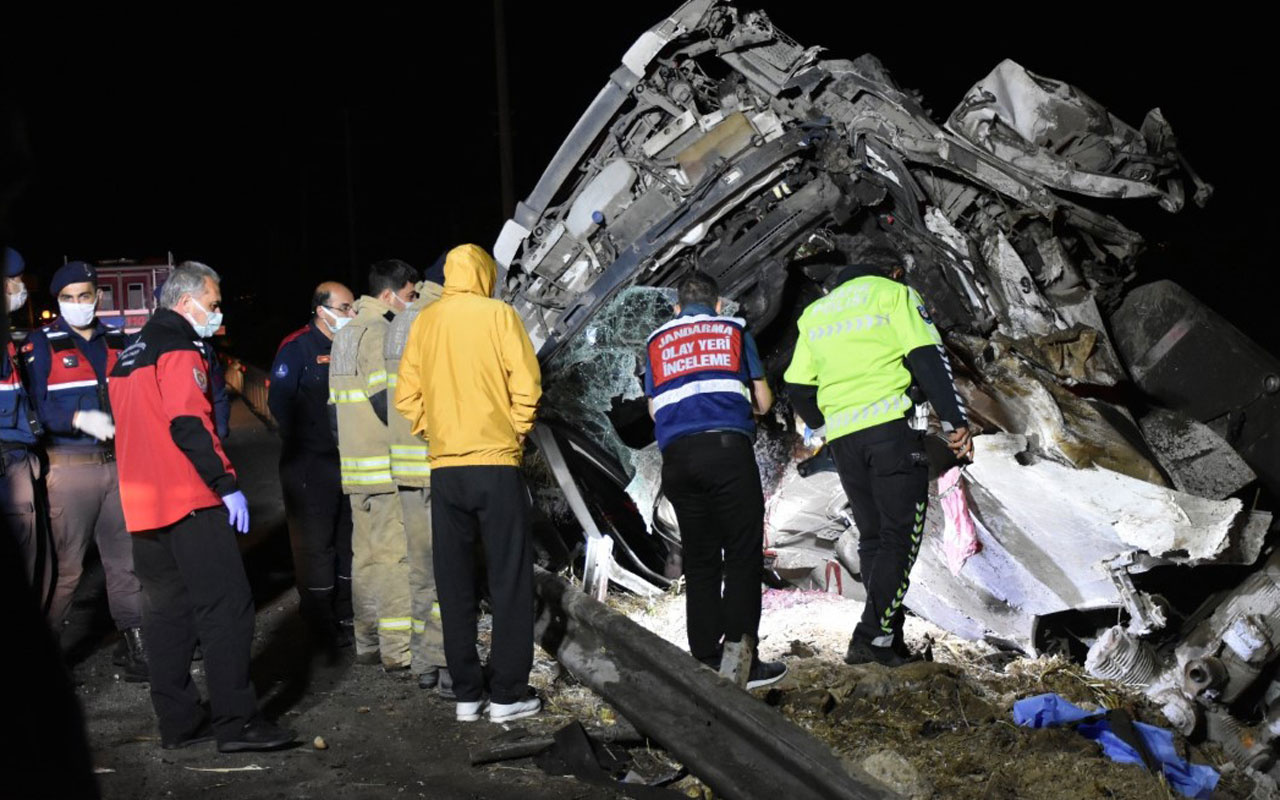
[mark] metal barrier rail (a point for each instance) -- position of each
(251, 383)
(734, 743)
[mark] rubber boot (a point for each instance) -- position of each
(135, 670)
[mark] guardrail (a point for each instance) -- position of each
(740, 747)
(251, 383)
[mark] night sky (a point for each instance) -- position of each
(230, 139)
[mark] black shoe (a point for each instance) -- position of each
(203, 733)
(120, 654)
(258, 735)
(444, 685)
(343, 636)
(135, 666)
(197, 654)
(429, 679)
(765, 673)
(863, 652)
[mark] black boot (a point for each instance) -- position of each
(135, 667)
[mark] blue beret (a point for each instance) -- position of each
(13, 263)
(72, 272)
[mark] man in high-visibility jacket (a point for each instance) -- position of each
(359, 398)
(411, 471)
(859, 350)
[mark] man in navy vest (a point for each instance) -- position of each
(704, 381)
(19, 432)
(69, 361)
(319, 514)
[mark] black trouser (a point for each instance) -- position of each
(489, 502)
(319, 516)
(713, 483)
(193, 584)
(885, 473)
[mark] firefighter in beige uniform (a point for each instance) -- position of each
(358, 395)
(412, 474)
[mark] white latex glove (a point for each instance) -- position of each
(97, 424)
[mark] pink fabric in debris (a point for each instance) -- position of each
(959, 539)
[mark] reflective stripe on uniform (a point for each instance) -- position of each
(376, 381)
(718, 385)
(365, 471)
(53, 387)
(392, 380)
(410, 467)
(372, 462)
(839, 422)
(395, 623)
(366, 478)
(347, 396)
(9, 387)
(409, 450)
(851, 324)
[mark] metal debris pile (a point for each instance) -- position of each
(1122, 489)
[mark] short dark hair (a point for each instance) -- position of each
(390, 273)
(322, 299)
(698, 288)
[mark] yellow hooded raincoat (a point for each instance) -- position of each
(469, 380)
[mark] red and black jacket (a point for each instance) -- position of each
(170, 459)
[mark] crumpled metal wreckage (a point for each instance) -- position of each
(1105, 524)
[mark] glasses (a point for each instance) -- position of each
(345, 308)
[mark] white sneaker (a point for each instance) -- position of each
(506, 712)
(470, 712)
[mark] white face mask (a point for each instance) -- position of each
(335, 322)
(212, 321)
(77, 315)
(18, 300)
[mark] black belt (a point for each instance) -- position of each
(720, 438)
(72, 458)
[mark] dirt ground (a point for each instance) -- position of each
(933, 730)
(384, 737)
(940, 729)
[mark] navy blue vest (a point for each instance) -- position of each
(700, 377)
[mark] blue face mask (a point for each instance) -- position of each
(212, 321)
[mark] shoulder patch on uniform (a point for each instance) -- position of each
(924, 315)
(202, 380)
(282, 369)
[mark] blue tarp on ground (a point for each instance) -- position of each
(1047, 710)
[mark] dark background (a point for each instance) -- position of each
(230, 139)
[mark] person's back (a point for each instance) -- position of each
(856, 340)
(484, 381)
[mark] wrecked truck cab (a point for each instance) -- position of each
(721, 144)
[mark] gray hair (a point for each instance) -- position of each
(187, 278)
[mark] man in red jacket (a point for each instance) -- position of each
(182, 505)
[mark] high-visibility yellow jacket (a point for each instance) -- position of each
(358, 382)
(469, 380)
(852, 346)
(409, 463)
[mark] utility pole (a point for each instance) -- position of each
(505, 157)
(351, 201)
